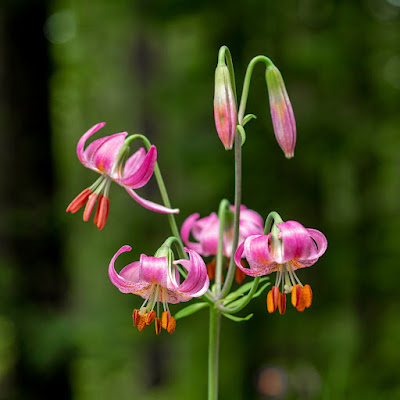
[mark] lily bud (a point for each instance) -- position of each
(281, 112)
(225, 112)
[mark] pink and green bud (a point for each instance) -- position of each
(281, 112)
(225, 112)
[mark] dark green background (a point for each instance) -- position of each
(148, 67)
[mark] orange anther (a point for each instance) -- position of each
(103, 213)
(171, 325)
(296, 294)
(149, 318)
(142, 324)
(157, 325)
(79, 201)
(305, 299)
(272, 299)
(165, 319)
(89, 206)
(282, 303)
(96, 215)
(211, 269)
(136, 317)
(239, 275)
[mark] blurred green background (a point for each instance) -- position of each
(147, 66)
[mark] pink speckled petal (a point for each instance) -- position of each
(187, 227)
(154, 270)
(127, 283)
(196, 282)
(104, 157)
(296, 242)
(143, 172)
(150, 205)
(134, 161)
(81, 143)
(256, 250)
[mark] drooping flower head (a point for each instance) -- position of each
(108, 157)
(157, 280)
(225, 112)
(289, 246)
(206, 232)
(281, 111)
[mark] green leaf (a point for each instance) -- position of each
(242, 133)
(237, 319)
(242, 289)
(189, 310)
(248, 118)
(236, 303)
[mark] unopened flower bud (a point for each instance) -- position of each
(225, 112)
(281, 111)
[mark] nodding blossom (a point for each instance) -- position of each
(108, 157)
(206, 232)
(225, 113)
(157, 280)
(293, 248)
(281, 112)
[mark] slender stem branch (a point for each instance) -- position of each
(223, 209)
(213, 353)
(246, 83)
(225, 54)
(163, 192)
(238, 198)
(245, 301)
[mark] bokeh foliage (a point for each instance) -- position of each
(148, 67)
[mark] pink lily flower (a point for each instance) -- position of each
(293, 248)
(225, 113)
(157, 280)
(104, 156)
(206, 232)
(281, 112)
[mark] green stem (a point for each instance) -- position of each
(238, 198)
(246, 84)
(213, 353)
(223, 208)
(272, 219)
(246, 301)
(225, 54)
(163, 192)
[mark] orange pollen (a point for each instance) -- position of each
(136, 317)
(149, 318)
(165, 317)
(79, 201)
(142, 324)
(96, 215)
(282, 303)
(157, 325)
(305, 298)
(171, 325)
(272, 299)
(296, 295)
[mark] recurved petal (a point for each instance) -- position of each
(81, 143)
(126, 281)
(196, 282)
(155, 270)
(134, 161)
(143, 171)
(257, 253)
(187, 227)
(104, 157)
(150, 205)
(320, 245)
(296, 242)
